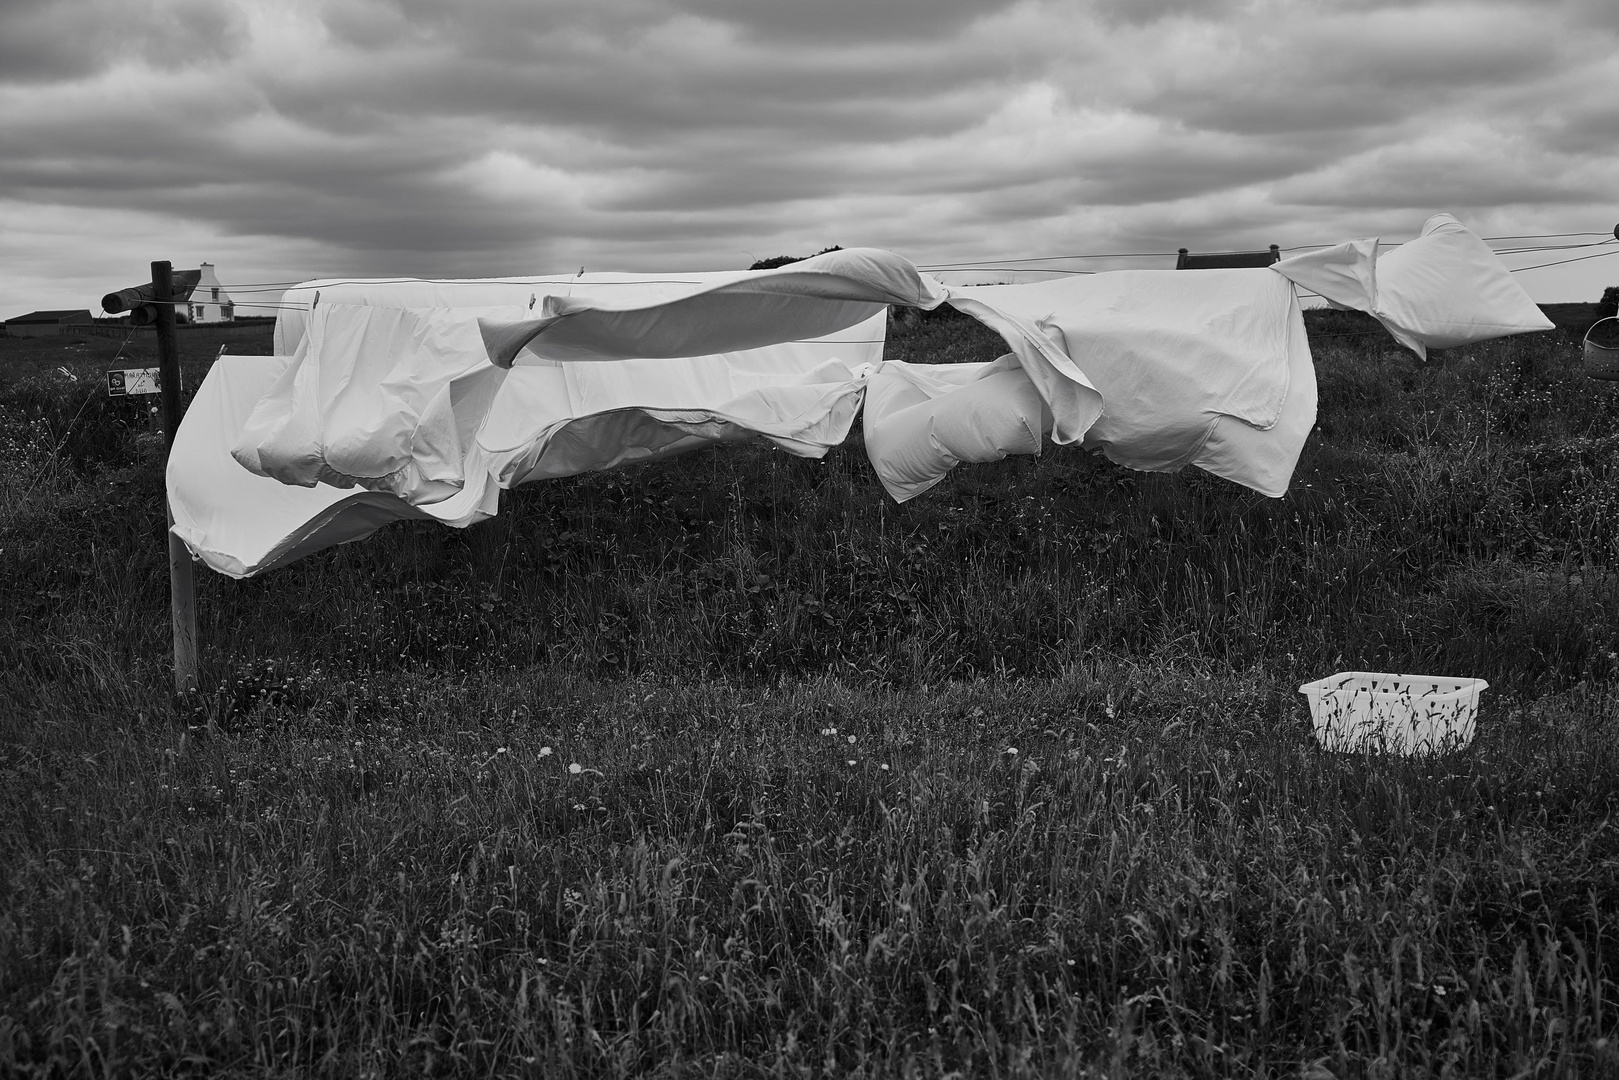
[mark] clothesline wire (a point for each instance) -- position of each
(964, 267)
(1613, 250)
(1609, 243)
(1577, 258)
(1294, 247)
(952, 268)
(269, 286)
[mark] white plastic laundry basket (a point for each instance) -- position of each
(1356, 711)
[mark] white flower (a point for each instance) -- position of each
(545, 751)
(851, 761)
(851, 740)
(1011, 751)
(884, 768)
(575, 768)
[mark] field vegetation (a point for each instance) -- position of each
(729, 766)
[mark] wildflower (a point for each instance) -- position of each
(545, 751)
(851, 761)
(575, 768)
(883, 767)
(851, 740)
(1011, 751)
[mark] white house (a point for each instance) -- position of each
(210, 303)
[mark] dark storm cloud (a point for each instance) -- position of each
(502, 25)
(840, 21)
(1146, 12)
(46, 40)
(630, 74)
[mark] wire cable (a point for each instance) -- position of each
(1560, 262)
(966, 265)
(1014, 265)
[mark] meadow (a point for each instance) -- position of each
(729, 766)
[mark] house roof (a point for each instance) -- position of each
(1227, 260)
(50, 316)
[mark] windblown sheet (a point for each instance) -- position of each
(1443, 289)
(391, 400)
(241, 524)
(1178, 356)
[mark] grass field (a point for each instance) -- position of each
(728, 766)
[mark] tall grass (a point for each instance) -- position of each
(1010, 780)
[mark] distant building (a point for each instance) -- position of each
(1227, 260)
(46, 323)
(209, 303)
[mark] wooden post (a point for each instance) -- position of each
(182, 585)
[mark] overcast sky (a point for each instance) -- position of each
(288, 139)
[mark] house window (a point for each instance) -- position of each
(216, 294)
(227, 311)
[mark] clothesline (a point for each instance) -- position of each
(998, 265)
(280, 456)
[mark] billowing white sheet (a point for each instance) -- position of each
(922, 420)
(241, 524)
(547, 421)
(1444, 289)
(422, 399)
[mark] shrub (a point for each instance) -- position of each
(782, 260)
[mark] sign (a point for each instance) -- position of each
(132, 381)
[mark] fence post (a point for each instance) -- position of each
(182, 584)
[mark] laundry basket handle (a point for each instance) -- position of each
(1587, 339)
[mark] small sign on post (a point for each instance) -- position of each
(132, 381)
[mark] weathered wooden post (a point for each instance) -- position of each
(182, 585)
(153, 305)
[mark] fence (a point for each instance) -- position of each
(248, 327)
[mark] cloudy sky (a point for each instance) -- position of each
(288, 139)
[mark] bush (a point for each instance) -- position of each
(782, 260)
(1609, 304)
